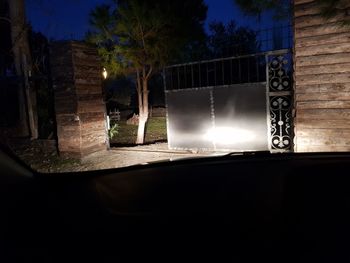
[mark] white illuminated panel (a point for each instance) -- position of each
(230, 118)
(229, 135)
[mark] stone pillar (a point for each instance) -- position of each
(322, 80)
(79, 105)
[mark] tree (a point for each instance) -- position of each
(255, 7)
(119, 91)
(230, 40)
(328, 8)
(23, 66)
(39, 46)
(141, 36)
(5, 43)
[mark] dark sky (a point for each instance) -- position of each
(65, 19)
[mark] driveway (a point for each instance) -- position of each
(43, 157)
(127, 156)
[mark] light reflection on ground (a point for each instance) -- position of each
(127, 156)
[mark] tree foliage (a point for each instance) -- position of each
(136, 33)
(328, 8)
(230, 40)
(280, 8)
(119, 91)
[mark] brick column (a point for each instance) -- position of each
(79, 106)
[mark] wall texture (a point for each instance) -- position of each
(322, 81)
(79, 106)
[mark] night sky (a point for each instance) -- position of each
(68, 19)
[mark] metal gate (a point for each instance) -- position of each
(237, 104)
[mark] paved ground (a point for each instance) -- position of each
(127, 156)
(43, 157)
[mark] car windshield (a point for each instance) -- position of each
(98, 84)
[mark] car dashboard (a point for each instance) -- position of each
(276, 207)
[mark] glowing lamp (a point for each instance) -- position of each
(104, 73)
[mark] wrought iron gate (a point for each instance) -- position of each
(279, 86)
(237, 103)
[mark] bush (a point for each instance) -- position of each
(113, 131)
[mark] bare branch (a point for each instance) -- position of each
(19, 36)
(143, 72)
(149, 72)
(5, 19)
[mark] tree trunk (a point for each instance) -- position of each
(22, 61)
(31, 101)
(143, 109)
(141, 130)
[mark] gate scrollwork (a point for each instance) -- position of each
(280, 102)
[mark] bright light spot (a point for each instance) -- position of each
(229, 136)
(104, 73)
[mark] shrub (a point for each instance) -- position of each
(113, 131)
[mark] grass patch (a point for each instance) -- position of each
(56, 164)
(34, 156)
(155, 131)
